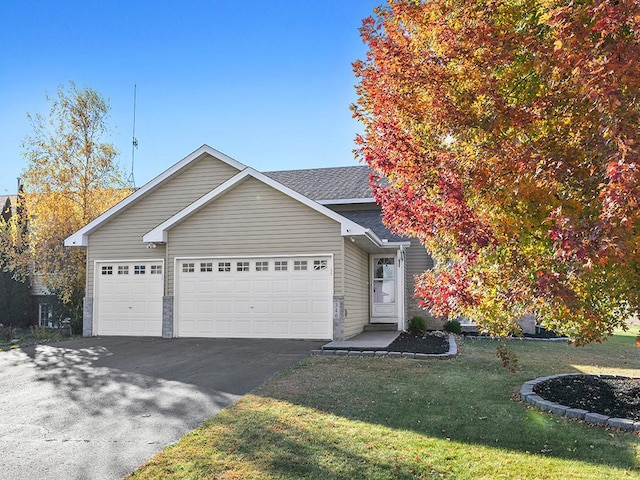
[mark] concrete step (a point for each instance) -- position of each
(381, 327)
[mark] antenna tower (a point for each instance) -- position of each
(134, 142)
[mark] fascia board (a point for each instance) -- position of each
(80, 238)
(382, 244)
(346, 201)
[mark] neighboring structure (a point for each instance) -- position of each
(42, 302)
(213, 248)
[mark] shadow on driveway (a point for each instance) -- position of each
(97, 408)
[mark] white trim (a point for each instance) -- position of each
(396, 283)
(176, 272)
(161, 259)
(278, 255)
(80, 238)
(348, 227)
(345, 201)
(94, 314)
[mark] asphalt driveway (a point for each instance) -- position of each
(97, 408)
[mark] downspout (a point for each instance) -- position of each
(401, 256)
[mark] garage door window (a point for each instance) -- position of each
(280, 266)
(319, 264)
(206, 267)
(139, 270)
(242, 266)
(156, 269)
(299, 265)
(123, 269)
(188, 267)
(262, 266)
(107, 270)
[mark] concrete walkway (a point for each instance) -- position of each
(365, 340)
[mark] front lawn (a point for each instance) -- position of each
(389, 418)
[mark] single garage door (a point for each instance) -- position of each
(262, 297)
(128, 298)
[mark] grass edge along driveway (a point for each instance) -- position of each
(349, 417)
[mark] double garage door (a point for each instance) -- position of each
(261, 297)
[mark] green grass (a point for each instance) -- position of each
(373, 418)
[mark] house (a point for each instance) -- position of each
(213, 248)
(41, 302)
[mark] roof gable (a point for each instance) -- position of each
(80, 238)
(160, 233)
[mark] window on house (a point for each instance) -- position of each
(262, 266)
(299, 265)
(224, 266)
(45, 315)
(280, 265)
(123, 269)
(188, 267)
(156, 269)
(206, 266)
(107, 270)
(242, 266)
(139, 269)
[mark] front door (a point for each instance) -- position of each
(384, 289)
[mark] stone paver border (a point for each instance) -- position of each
(528, 395)
(516, 339)
(453, 351)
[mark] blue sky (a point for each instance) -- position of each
(268, 83)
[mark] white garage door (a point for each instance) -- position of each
(128, 298)
(274, 297)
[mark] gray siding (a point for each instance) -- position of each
(356, 289)
(255, 219)
(417, 261)
(121, 237)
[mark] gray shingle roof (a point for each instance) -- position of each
(327, 183)
(338, 183)
(373, 220)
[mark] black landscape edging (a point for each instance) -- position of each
(528, 395)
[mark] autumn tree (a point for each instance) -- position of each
(71, 177)
(507, 136)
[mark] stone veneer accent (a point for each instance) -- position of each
(167, 316)
(87, 316)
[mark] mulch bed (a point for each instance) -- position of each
(616, 397)
(427, 343)
(542, 334)
(407, 342)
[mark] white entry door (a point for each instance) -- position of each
(384, 289)
(128, 298)
(260, 297)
